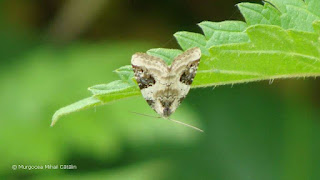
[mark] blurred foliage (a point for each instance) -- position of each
(253, 131)
(43, 75)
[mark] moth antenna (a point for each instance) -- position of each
(185, 124)
(144, 114)
(179, 122)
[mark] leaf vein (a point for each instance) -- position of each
(230, 72)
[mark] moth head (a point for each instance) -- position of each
(165, 106)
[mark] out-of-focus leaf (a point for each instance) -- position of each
(156, 170)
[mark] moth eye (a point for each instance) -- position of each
(189, 74)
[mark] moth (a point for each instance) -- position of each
(164, 87)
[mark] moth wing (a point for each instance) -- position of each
(183, 69)
(147, 65)
(150, 73)
(185, 66)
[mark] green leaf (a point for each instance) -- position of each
(316, 26)
(279, 39)
(189, 40)
(313, 6)
(259, 14)
(77, 106)
(114, 91)
(125, 72)
(224, 32)
(282, 4)
(298, 18)
(291, 14)
(166, 54)
(272, 53)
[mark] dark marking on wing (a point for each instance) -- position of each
(150, 102)
(181, 99)
(143, 78)
(189, 74)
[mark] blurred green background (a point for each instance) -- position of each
(51, 51)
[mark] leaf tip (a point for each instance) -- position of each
(176, 34)
(55, 118)
(52, 124)
(201, 23)
(239, 5)
(179, 33)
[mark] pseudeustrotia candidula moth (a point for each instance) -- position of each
(163, 86)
